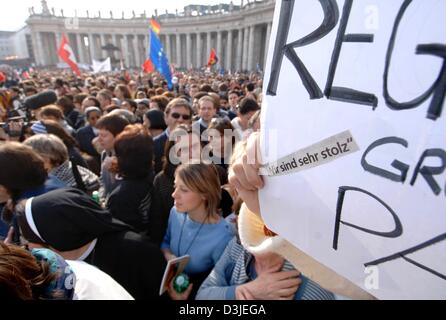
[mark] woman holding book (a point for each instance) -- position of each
(195, 226)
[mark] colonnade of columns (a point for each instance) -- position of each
(237, 49)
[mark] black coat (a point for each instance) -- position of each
(131, 202)
(159, 143)
(135, 263)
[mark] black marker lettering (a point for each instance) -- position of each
(281, 48)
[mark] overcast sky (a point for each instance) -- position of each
(13, 16)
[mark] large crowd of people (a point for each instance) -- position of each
(109, 176)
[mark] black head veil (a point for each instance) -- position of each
(66, 219)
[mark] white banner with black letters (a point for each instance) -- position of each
(354, 137)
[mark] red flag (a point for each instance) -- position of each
(67, 55)
(148, 66)
(212, 58)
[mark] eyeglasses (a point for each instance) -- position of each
(178, 115)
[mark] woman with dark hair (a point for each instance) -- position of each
(131, 200)
(22, 175)
(73, 225)
(154, 121)
(221, 143)
(247, 108)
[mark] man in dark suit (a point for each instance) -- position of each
(177, 112)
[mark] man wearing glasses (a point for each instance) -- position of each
(177, 112)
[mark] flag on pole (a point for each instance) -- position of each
(213, 59)
(148, 66)
(67, 55)
(158, 58)
(155, 26)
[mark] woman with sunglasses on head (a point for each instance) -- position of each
(195, 227)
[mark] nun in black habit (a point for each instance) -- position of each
(71, 223)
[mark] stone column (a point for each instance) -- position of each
(125, 50)
(268, 35)
(251, 48)
(219, 49)
(238, 63)
(209, 44)
(40, 52)
(146, 46)
(245, 48)
(58, 37)
(36, 48)
(199, 49)
(43, 51)
(79, 47)
(168, 48)
(135, 50)
(188, 50)
(178, 36)
(102, 53)
(229, 51)
(117, 44)
(91, 47)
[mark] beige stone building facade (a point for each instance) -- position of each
(239, 33)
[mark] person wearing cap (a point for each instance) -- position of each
(73, 225)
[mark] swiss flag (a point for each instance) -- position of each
(67, 55)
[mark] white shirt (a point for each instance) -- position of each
(94, 284)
